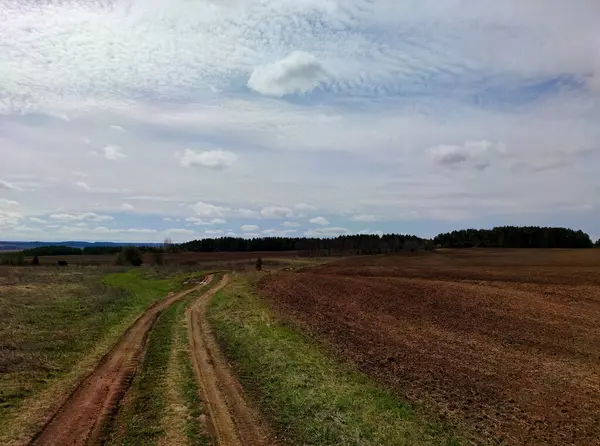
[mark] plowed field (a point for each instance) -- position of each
(505, 342)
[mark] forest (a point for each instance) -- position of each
(514, 237)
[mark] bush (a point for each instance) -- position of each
(158, 258)
(35, 261)
(130, 255)
(14, 259)
(259, 264)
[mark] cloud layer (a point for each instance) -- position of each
(321, 117)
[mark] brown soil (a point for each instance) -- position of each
(82, 418)
(506, 342)
(231, 422)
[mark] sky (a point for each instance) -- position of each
(136, 120)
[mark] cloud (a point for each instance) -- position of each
(113, 153)
(278, 232)
(9, 220)
(37, 220)
(9, 186)
(475, 154)
(249, 228)
(211, 159)
(170, 219)
(276, 212)
(322, 232)
(290, 224)
(303, 207)
(217, 221)
(8, 202)
(117, 128)
(179, 231)
(214, 232)
(89, 216)
(127, 207)
(209, 210)
(364, 217)
(299, 72)
(319, 221)
(83, 185)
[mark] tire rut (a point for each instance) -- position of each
(231, 421)
(83, 417)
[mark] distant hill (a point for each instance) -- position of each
(19, 246)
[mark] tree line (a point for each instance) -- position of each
(344, 244)
(515, 237)
(60, 250)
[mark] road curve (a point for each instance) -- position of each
(82, 418)
(231, 422)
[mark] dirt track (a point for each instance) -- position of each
(84, 415)
(231, 422)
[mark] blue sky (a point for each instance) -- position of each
(137, 120)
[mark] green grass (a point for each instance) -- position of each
(309, 397)
(140, 420)
(56, 322)
(195, 430)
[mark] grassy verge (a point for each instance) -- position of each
(309, 397)
(57, 323)
(145, 409)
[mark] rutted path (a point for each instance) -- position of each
(82, 418)
(231, 422)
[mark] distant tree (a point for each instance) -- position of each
(259, 264)
(62, 263)
(597, 244)
(35, 260)
(130, 255)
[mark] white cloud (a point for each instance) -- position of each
(249, 228)
(9, 220)
(319, 221)
(276, 212)
(89, 216)
(195, 221)
(127, 207)
(7, 202)
(318, 232)
(214, 232)
(370, 232)
(300, 72)
(217, 221)
(212, 159)
(7, 185)
(117, 128)
(303, 207)
(113, 152)
(251, 235)
(37, 220)
(170, 219)
(179, 231)
(475, 154)
(209, 210)
(290, 224)
(83, 185)
(364, 217)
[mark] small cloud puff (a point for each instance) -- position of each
(210, 159)
(300, 72)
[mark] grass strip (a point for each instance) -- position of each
(141, 418)
(309, 397)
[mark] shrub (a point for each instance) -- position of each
(35, 261)
(130, 255)
(259, 264)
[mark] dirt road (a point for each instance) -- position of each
(82, 418)
(231, 423)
